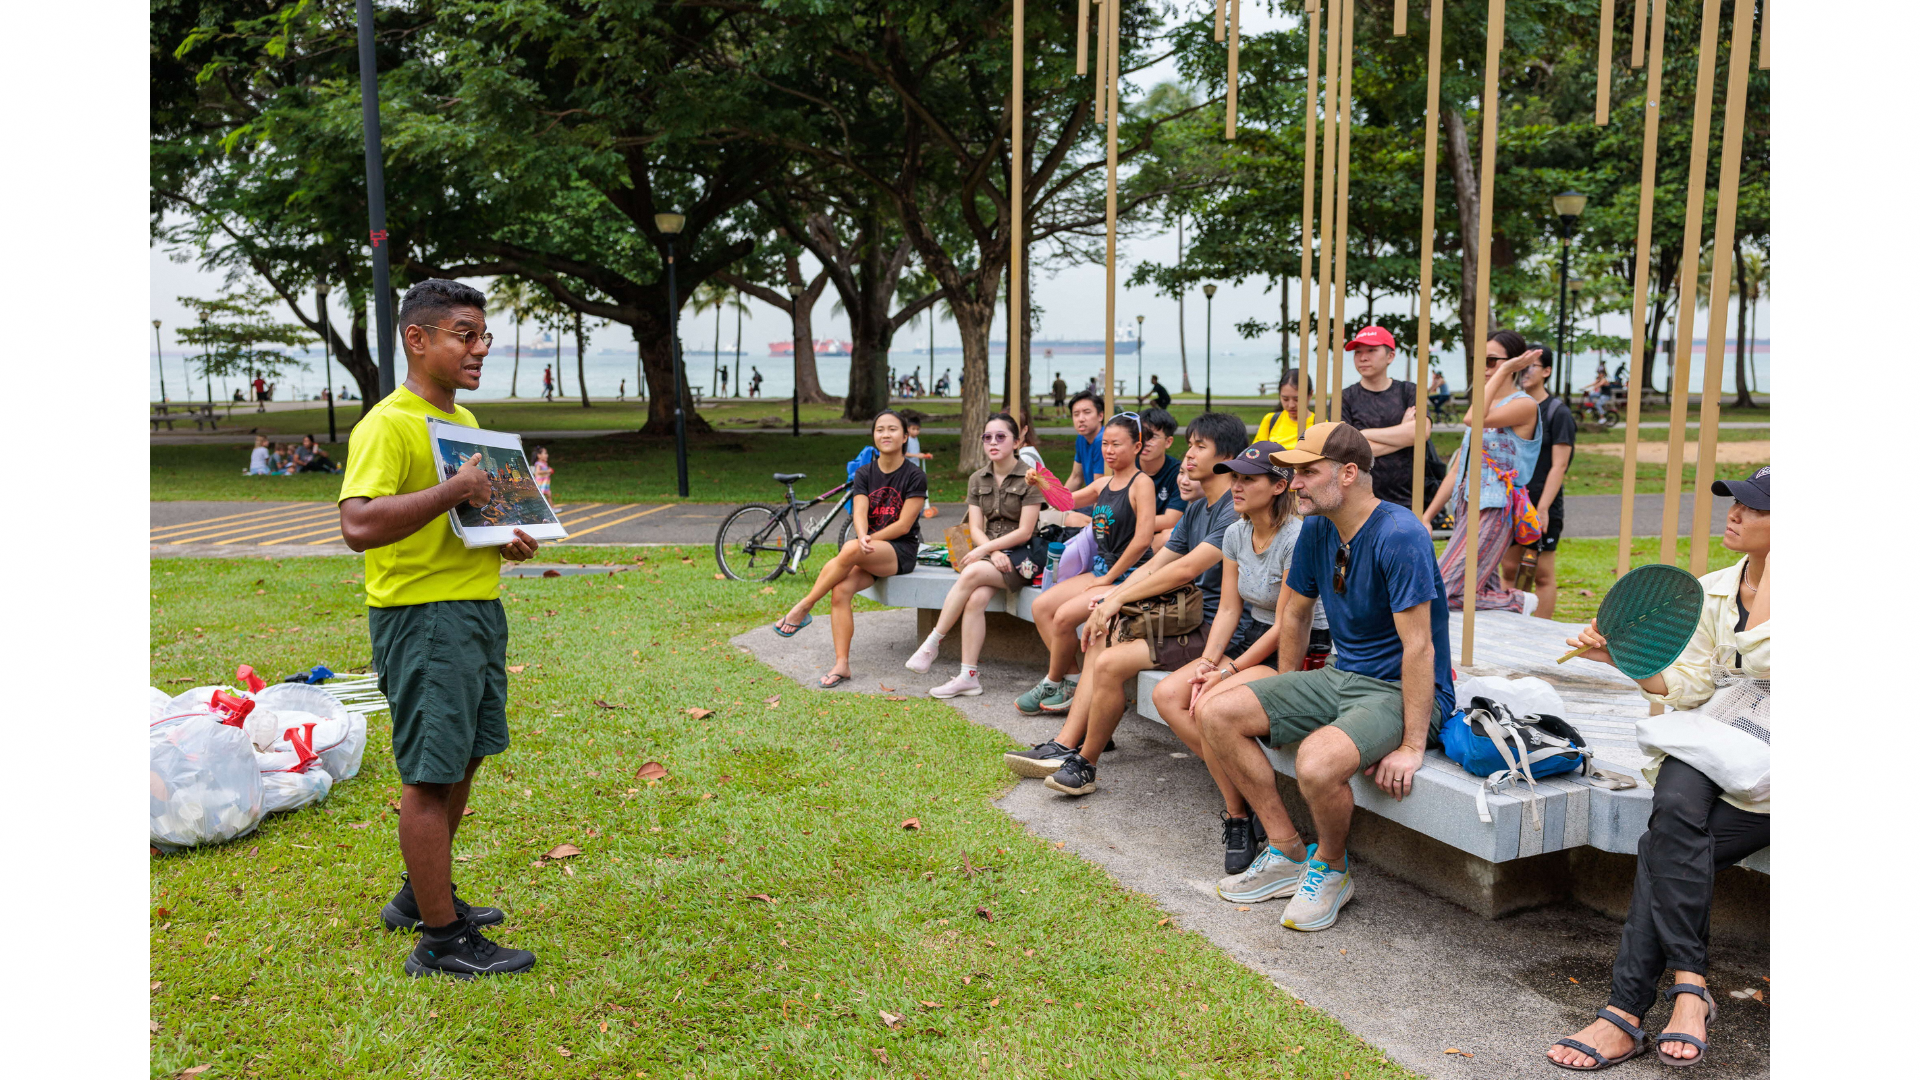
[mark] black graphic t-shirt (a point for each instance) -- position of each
(887, 493)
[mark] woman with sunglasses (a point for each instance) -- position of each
(1122, 523)
(1510, 445)
(888, 493)
(1002, 510)
(1695, 830)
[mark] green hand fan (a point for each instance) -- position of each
(1647, 618)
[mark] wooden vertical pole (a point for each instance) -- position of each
(1233, 69)
(1639, 55)
(1399, 18)
(1604, 91)
(1732, 137)
(1489, 142)
(1636, 356)
(1689, 280)
(1427, 187)
(1338, 351)
(1017, 234)
(1327, 156)
(1306, 198)
(1080, 41)
(1764, 35)
(1110, 33)
(1219, 20)
(1100, 64)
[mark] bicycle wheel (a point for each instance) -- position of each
(1611, 418)
(846, 531)
(752, 543)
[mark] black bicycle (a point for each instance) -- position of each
(758, 542)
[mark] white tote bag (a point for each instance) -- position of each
(1727, 739)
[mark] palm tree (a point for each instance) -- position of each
(1751, 277)
(717, 296)
(514, 296)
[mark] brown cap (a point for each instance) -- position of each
(1336, 442)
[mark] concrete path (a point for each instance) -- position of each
(1410, 973)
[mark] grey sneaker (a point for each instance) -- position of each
(1272, 874)
(1029, 702)
(1039, 762)
(1323, 892)
(1073, 777)
(1060, 700)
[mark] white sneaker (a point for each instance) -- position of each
(1323, 892)
(1270, 875)
(1529, 603)
(964, 684)
(922, 659)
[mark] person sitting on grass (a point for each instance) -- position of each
(1191, 555)
(1375, 708)
(1256, 553)
(887, 496)
(1121, 512)
(283, 462)
(1510, 444)
(1157, 428)
(1695, 830)
(1002, 510)
(1285, 425)
(260, 462)
(438, 629)
(312, 457)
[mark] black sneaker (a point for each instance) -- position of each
(1038, 762)
(1244, 838)
(1073, 777)
(464, 953)
(401, 913)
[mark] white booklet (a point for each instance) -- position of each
(516, 502)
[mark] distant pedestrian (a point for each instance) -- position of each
(1161, 398)
(723, 382)
(546, 382)
(623, 391)
(1059, 391)
(753, 385)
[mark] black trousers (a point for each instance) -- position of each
(1691, 836)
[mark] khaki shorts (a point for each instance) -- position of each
(1370, 711)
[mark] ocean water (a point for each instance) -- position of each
(1236, 372)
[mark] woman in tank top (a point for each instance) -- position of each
(1121, 509)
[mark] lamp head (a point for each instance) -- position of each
(670, 223)
(323, 289)
(795, 291)
(1141, 319)
(156, 324)
(1569, 204)
(1209, 290)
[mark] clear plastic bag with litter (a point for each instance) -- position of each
(204, 782)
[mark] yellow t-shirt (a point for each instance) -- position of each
(1278, 427)
(388, 454)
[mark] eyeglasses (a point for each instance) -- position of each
(995, 437)
(1340, 563)
(466, 336)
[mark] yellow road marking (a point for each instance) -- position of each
(601, 514)
(297, 519)
(615, 521)
(195, 526)
(332, 527)
(576, 509)
(282, 527)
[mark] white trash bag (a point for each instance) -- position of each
(159, 703)
(1527, 696)
(339, 735)
(204, 782)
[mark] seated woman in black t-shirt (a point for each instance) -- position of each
(888, 493)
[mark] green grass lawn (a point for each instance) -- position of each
(759, 912)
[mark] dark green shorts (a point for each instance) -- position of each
(443, 668)
(1370, 711)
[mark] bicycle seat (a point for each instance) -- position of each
(788, 477)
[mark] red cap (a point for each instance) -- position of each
(1372, 335)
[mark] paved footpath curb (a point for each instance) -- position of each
(1410, 973)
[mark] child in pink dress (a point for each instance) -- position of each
(542, 473)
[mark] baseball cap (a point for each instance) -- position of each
(1334, 441)
(1257, 460)
(1750, 492)
(1372, 335)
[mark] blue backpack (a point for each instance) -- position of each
(1486, 739)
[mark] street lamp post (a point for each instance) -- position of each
(326, 354)
(1209, 290)
(1139, 350)
(206, 367)
(377, 196)
(1568, 205)
(670, 225)
(794, 291)
(161, 362)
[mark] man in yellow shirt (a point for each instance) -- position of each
(434, 614)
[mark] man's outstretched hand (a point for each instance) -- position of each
(520, 548)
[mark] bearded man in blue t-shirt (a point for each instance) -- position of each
(1376, 707)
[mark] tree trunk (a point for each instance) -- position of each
(867, 296)
(739, 312)
(1286, 339)
(974, 320)
(513, 388)
(559, 368)
(580, 357)
(1180, 239)
(1018, 401)
(656, 360)
(1742, 390)
(1466, 189)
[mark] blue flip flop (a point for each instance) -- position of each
(797, 627)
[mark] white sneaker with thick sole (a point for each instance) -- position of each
(962, 685)
(1529, 603)
(922, 659)
(1323, 892)
(1270, 875)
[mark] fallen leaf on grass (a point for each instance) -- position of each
(994, 1002)
(932, 1005)
(610, 705)
(699, 714)
(760, 896)
(184, 1074)
(651, 771)
(910, 823)
(889, 1019)
(603, 1027)
(983, 913)
(894, 697)
(391, 805)
(1029, 952)
(364, 824)
(550, 573)
(162, 913)
(773, 701)
(887, 688)
(1586, 592)
(564, 851)
(719, 577)
(564, 1052)
(515, 669)
(768, 589)
(882, 1055)
(468, 812)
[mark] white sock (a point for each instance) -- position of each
(935, 635)
(970, 671)
(1073, 678)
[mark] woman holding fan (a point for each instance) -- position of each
(1696, 829)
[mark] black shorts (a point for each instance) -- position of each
(907, 552)
(1549, 541)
